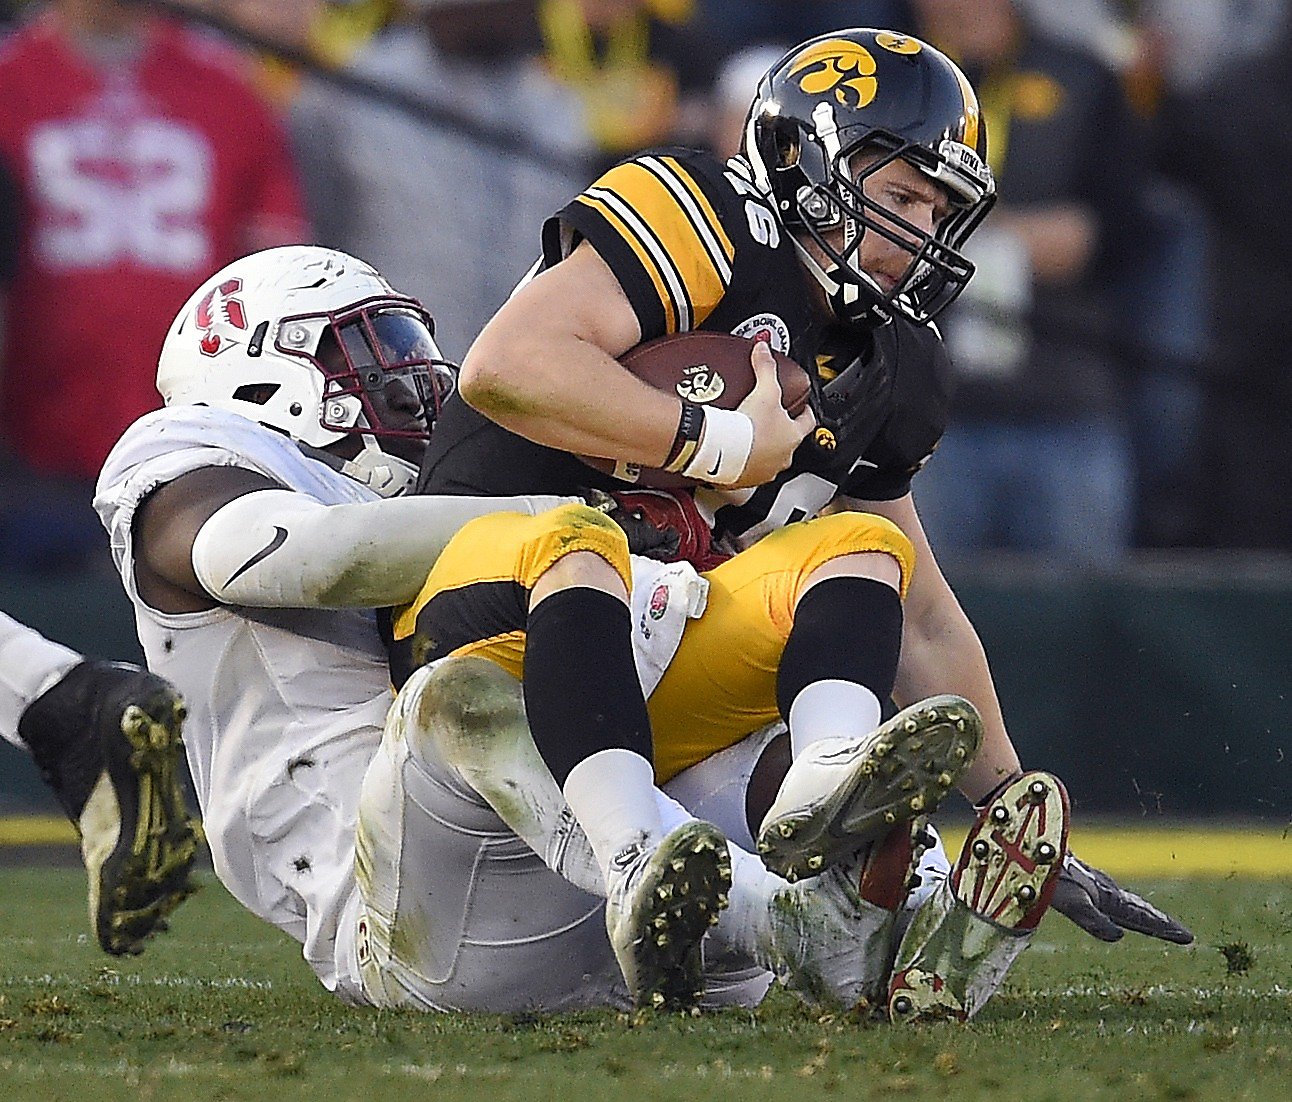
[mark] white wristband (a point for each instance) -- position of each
(725, 444)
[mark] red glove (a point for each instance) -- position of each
(673, 511)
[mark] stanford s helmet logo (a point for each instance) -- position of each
(839, 66)
(219, 317)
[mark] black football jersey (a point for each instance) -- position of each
(694, 246)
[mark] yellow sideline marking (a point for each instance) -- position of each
(36, 830)
(1263, 853)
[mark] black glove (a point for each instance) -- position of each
(1093, 900)
(644, 537)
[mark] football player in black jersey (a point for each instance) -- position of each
(833, 237)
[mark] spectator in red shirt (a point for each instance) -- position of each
(136, 159)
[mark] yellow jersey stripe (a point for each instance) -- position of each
(698, 209)
(653, 261)
(690, 252)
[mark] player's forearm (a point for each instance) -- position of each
(941, 653)
(568, 394)
(281, 549)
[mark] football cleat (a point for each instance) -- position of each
(841, 794)
(965, 936)
(659, 905)
(832, 935)
(107, 740)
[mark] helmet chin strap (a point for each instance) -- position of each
(845, 297)
(381, 472)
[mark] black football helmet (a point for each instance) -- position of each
(889, 96)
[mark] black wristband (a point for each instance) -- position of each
(690, 426)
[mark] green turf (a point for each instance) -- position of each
(223, 1007)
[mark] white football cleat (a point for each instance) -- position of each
(966, 935)
(659, 905)
(833, 935)
(841, 794)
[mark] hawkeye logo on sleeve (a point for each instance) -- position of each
(765, 327)
(839, 66)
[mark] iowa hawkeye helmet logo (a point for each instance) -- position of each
(220, 317)
(839, 66)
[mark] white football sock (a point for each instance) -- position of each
(29, 665)
(613, 796)
(831, 709)
(745, 926)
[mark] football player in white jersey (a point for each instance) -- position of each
(106, 739)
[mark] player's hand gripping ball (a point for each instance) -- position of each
(709, 369)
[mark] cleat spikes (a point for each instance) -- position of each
(999, 814)
(1046, 852)
(835, 802)
(658, 910)
(815, 862)
(1026, 893)
(980, 849)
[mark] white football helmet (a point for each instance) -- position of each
(315, 344)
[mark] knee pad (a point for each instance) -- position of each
(462, 709)
(469, 714)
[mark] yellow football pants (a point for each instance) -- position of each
(721, 684)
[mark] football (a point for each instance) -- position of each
(709, 369)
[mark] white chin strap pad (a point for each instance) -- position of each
(380, 471)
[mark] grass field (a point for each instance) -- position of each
(222, 1007)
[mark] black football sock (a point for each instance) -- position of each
(582, 694)
(840, 660)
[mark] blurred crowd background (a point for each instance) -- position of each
(1125, 374)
